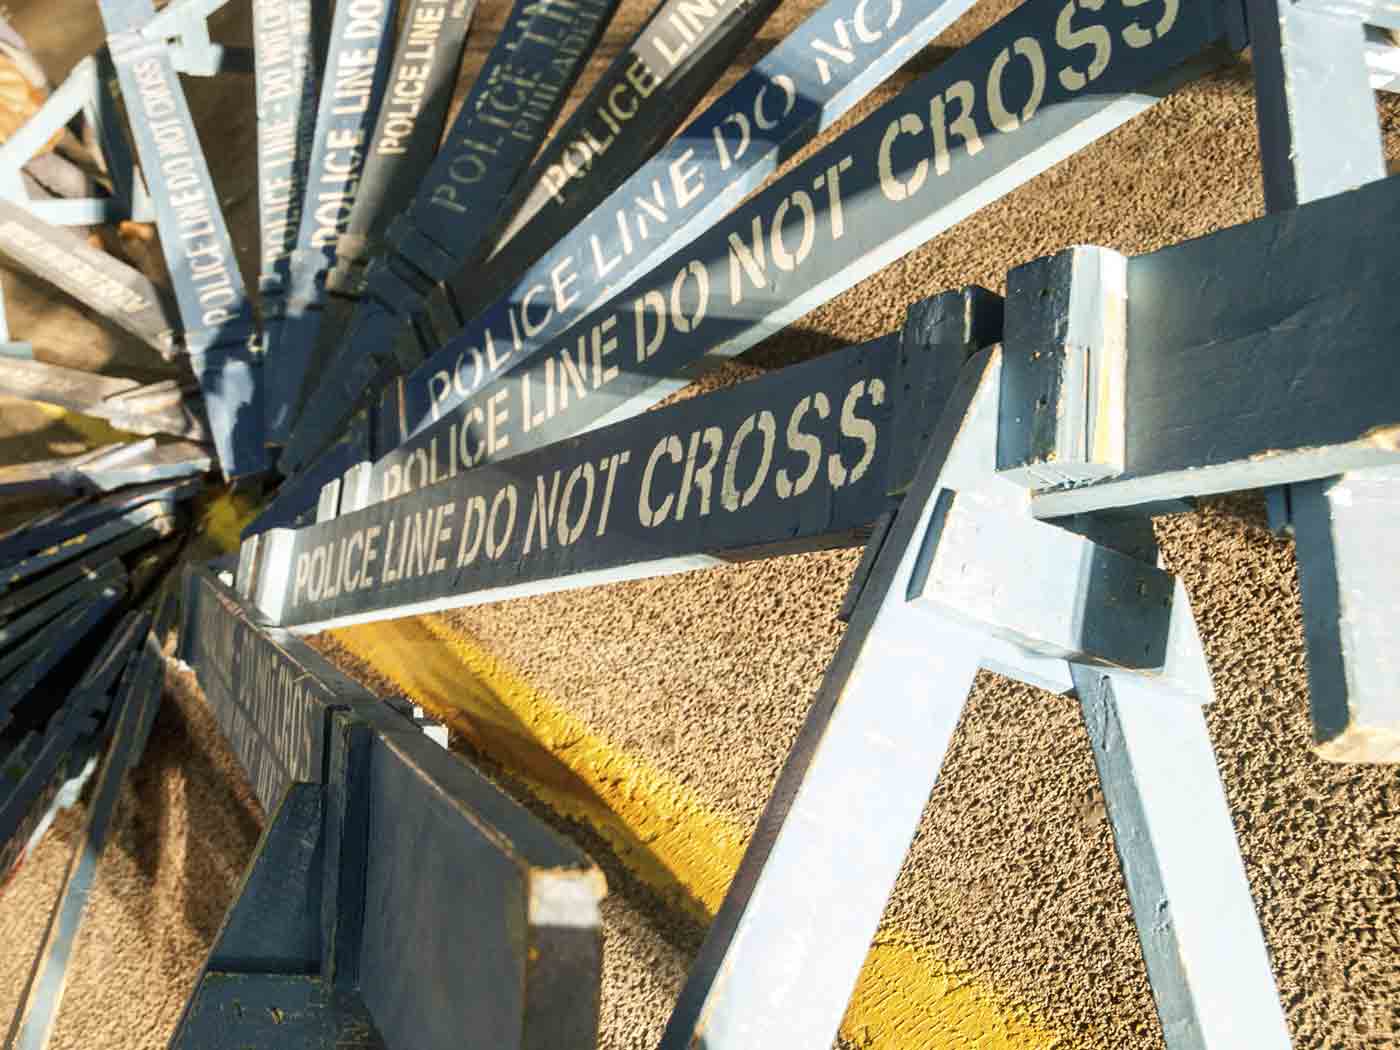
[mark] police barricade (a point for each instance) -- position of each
(1067, 406)
(215, 312)
(444, 908)
(163, 407)
(524, 83)
(131, 661)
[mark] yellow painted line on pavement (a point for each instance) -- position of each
(667, 836)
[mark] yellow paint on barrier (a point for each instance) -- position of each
(666, 835)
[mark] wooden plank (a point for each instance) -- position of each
(1351, 612)
(43, 996)
(215, 312)
(107, 574)
(1281, 327)
(633, 109)
(352, 91)
(523, 947)
(287, 77)
(1375, 12)
(882, 190)
(1312, 148)
(793, 93)
(148, 522)
(474, 178)
(22, 670)
(800, 459)
(1206, 958)
(53, 527)
(401, 151)
(117, 292)
(271, 694)
(138, 408)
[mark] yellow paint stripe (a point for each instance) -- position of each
(666, 835)
(96, 432)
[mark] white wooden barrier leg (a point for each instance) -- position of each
(1205, 954)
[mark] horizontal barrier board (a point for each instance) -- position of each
(801, 458)
(138, 408)
(271, 695)
(114, 290)
(1007, 106)
(55, 526)
(521, 87)
(31, 663)
(645, 94)
(400, 152)
(809, 80)
(474, 178)
(150, 521)
(37, 616)
(352, 91)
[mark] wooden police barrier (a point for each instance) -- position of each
(445, 907)
(134, 708)
(287, 76)
(541, 51)
(119, 293)
(149, 408)
(355, 74)
(802, 459)
(880, 190)
(215, 312)
(400, 152)
(806, 82)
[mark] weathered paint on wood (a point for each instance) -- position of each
(138, 696)
(117, 292)
(795, 91)
(106, 469)
(801, 459)
(271, 694)
(474, 178)
(138, 408)
(523, 944)
(644, 96)
(352, 91)
(62, 524)
(1348, 529)
(23, 669)
(14, 631)
(400, 152)
(1376, 12)
(287, 79)
(1206, 958)
(809, 893)
(1319, 134)
(1280, 328)
(214, 308)
(403, 865)
(884, 188)
(148, 522)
